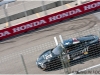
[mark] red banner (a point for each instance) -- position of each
(50, 19)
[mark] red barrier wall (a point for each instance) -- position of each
(50, 19)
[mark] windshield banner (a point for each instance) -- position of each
(49, 19)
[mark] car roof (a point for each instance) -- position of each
(80, 39)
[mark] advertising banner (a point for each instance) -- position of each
(49, 19)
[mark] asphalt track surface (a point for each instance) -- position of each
(39, 37)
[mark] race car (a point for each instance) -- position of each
(75, 48)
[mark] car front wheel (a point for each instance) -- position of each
(43, 67)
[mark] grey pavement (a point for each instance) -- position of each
(97, 14)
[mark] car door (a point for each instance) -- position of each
(77, 51)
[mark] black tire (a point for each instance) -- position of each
(43, 68)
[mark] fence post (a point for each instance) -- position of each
(22, 58)
(62, 61)
(61, 39)
(62, 4)
(43, 7)
(65, 61)
(25, 11)
(56, 41)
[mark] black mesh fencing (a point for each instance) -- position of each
(72, 58)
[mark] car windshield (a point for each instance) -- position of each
(57, 50)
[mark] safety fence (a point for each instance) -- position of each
(13, 63)
(87, 65)
(94, 30)
(24, 62)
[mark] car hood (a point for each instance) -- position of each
(47, 55)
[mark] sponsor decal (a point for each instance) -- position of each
(5, 33)
(91, 6)
(27, 26)
(79, 54)
(65, 14)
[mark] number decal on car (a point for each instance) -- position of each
(79, 54)
(48, 56)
